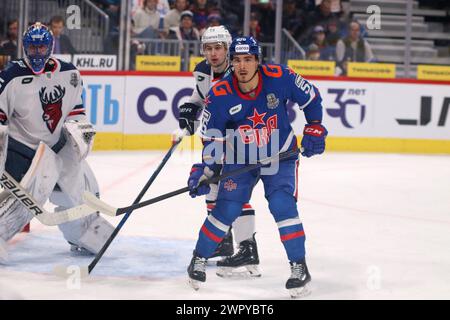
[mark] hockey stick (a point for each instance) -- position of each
(48, 218)
(101, 206)
(178, 138)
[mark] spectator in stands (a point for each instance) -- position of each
(62, 43)
(313, 52)
(266, 13)
(321, 15)
(353, 48)
(4, 59)
(293, 18)
(172, 18)
(146, 20)
(112, 9)
(232, 13)
(214, 20)
(185, 30)
(163, 7)
(319, 39)
(333, 31)
(8, 47)
(255, 28)
(200, 11)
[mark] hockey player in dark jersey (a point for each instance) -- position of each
(215, 44)
(248, 110)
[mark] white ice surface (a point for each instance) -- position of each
(377, 226)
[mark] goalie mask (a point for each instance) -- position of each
(37, 46)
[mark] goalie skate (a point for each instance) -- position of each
(243, 264)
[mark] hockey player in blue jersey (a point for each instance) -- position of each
(216, 42)
(248, 107)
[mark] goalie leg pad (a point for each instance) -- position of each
(39, 181)
(90, 232)
(3, 146)
(3, 252)
(13, 217)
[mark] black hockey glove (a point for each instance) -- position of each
(188, 117)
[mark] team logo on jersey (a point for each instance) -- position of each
(74, 79)
(230, 185)
(235, 109)
(27, 80)
(3, 117)
(261, 135)
(51, 102)
(200, 78)
(272, 101)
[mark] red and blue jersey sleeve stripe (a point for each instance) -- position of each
(78, 109)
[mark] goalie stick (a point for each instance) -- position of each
(105, 208)
(48, 218)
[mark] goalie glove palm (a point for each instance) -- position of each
(313, 141)
(188, 117)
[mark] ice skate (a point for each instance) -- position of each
(196, 271)
(76, 250)
(297, 282)
(243, 264)
(225, 247)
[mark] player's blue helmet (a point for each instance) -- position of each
(245, 45)
(37, 46)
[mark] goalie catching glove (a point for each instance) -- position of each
(80, 134)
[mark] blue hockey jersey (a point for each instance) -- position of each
(257, 120)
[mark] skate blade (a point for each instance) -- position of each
(250, 271)
(298, 293)
(194, 284)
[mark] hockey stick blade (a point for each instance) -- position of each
(124, 219)
(45, 217)
(98, 204)
(92, 201)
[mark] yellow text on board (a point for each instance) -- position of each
(158, 63)
(371, 70)
(313, 68)
(427, 72)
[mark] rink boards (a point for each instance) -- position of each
(138, 110)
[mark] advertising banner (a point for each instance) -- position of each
(371, 70)
(95, 62)
(139, 106)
